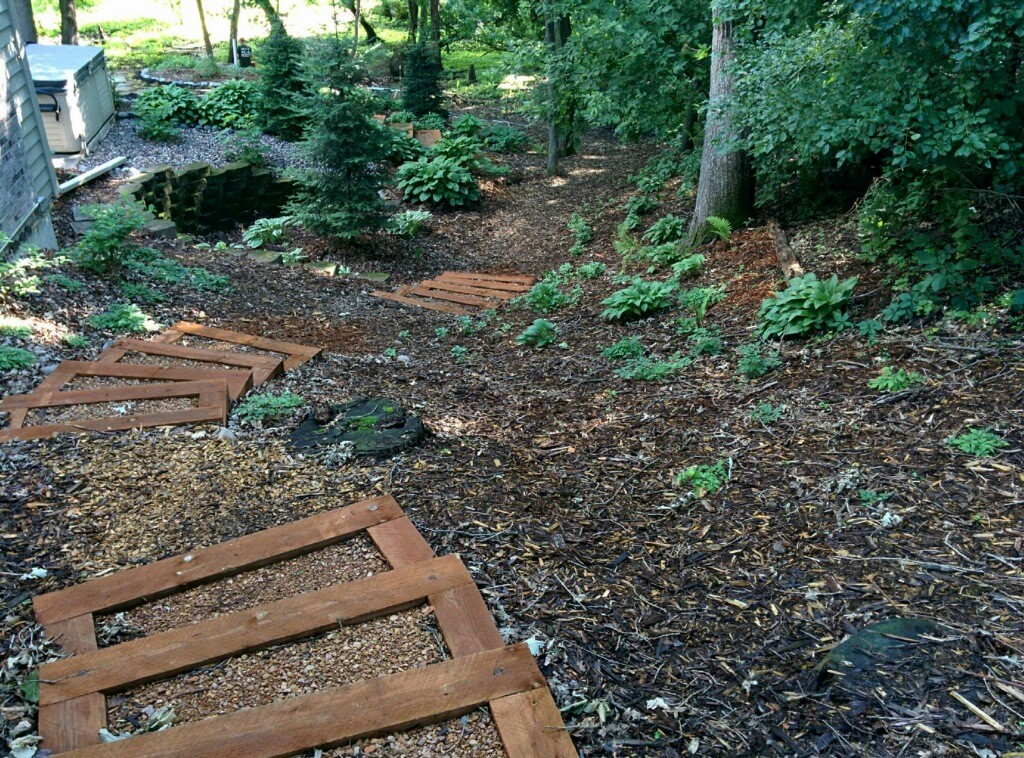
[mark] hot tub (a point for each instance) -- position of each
(74, 95)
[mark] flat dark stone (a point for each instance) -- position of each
(376, 426)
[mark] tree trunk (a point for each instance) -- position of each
(206, 33)
(724, 189)
(236, 11)
(355, 27)
(688, 123)
(68, 22)
(435, 29)
(371, 33)
(25, 21)
(414, 16)
(561, 140)
(269, 11)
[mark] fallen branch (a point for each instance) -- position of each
(787, 258)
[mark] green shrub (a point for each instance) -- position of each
(422, 92)
(540, 333)
(430, 121)
(16, 277)
(665, 230)
(76, 341)
(13, 328)
(266, 231)
(806, 306)
(649, 370)
(66, 282)
(281, 85)
(235, 102)
(242, 143)
(467, 125)
(500, 138)
(641, 205)
(172, 103)
(149, 264)
(267, 405)
(591, 270)
(768, 414)
(691, 264)
(398, 147)
(155, 125)
(641, 298)
(754, 362)
(466, 152)
(625, 349)
(547, 295)
(104, 246)
(408, 223)
(401, 117)
(12, 358)
(141, 293)
(706, 480)
(582, 233)
(981, 443)
(439, 180)
(889, 380)
(704, 341)
(206, 281)
(124, 317)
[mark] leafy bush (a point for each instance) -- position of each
(401, 117)
(666, 229)
(155, 125)
(638, 299)
(767, 413)
(430, 121)
(235, 102)
(124, 317)
(439, 180)
(242, 143)
(982, 443)
(719, 227)
(281, 85)
(806, 306)
(104, 247)
(170, 103)
(66, 282)
(422, 92)
(16, 277)
(591, 270)
(649, 370)
(12, 358)
(547, 295)
(504, 139)
(699, 299)
(141, 293)
(582, 233)
(467, 125)
(13, 328)
(754, 363)
(706, 480)
(540, 333)
(691, 264)
(640, 205)
(76, 341)
(408, 223)
(398, 147)
(465, 151)
(705, 341)
(267, 405)
(206, 281)
(889, 380)
(625, 349)
(265, 231)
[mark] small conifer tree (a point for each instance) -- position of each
(422, 91)
(281, 84)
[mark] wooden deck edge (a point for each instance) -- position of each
(178, 573)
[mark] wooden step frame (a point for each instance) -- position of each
(460, 293)
(262, 367)
(482, 671)
(212, 405)
(293, 353)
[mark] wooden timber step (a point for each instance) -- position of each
(262, 367)
(295, 354)
(437, 284)
(420, 303)
(513, 287)
(466, 290)
(482, 671)
(517, 279)
(211, 395)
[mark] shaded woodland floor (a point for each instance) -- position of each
(670, 625)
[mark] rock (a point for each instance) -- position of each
(266, 256)
(161, 228)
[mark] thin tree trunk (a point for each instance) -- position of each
(724, 188)
(206, 34)
(236, 11)
(787, 258)
(269, 11)
(561, 140)
(435, 29)
(25, 21)
(414, 15)
(68, 22)
(689, 122)
(355, 27)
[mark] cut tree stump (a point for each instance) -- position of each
(787, 258)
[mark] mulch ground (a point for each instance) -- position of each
(670, 625)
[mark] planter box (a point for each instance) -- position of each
(427, 137)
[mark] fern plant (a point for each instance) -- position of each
(719, 227)
(124, 317)
(12, 358)
(408, 223)
(641, 298)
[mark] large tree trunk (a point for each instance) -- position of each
(236, 11)
(561, 140)
(206, 33)
(25, 21)
(435, 29)
(725, 188)
(68, 22)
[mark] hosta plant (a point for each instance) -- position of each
(439, 180)
(264, 231)
(540, 333)
(641, 298)
(408, 223)
(806, 306)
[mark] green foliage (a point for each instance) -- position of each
(12, 358)
(467, 125)
(124, 317)
(500, 138)
(719, 227)
(234, 103)
(459, 353)
(640, 205)
(169, 103)
(658, 256)
(422, 92)
(889, 380)
(768, 414)
(206, 281)
(665, 230)
(688, 266)
(641, 298)
(540, 333)
(625, 349)
(582, 233)
(66, 282)
(340, 197)
(155, 125)
(266, 231)
(981, 443)
(547, 295)
(104, 246)
(408, 223)
(398, 147)
(592, 270)
(141, 293)
(242, 143)
(754, 362)
(704, 341)
(430, 121)
(466, 151)
(13, 328)
(704, 480)
(16, 277)
(649, 370)
(267, 406)
(401, 117)
(76, 341)
(869, 329)
(698, 300)
(806, 306)
(281, 85)
(438, 180)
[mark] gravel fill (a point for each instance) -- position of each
(197, 143)
(472, 735)
(72, 413)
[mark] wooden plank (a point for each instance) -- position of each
(477, 302)
(161, 391)
(297, 354)
(490, 284)
(89, 175)
(464, 620)
(530, 725)
(116, 423)
(339, 716)
(165, 654)
(263, 367)
(239, 380)
(504, 278)
(400, 543)
(73, 723)
(113, 355)
(464, 290)
(176, 574)
(53, 382)
(420, 303)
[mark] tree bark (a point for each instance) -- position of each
(414, 15)
(236, 11)
(25, 21)
(561, 141)
(724, 189)
(787, 258)
(206, 33)
(689, 122)
(68, 22)
(435, 29)
(371, 33)
(269, 11)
